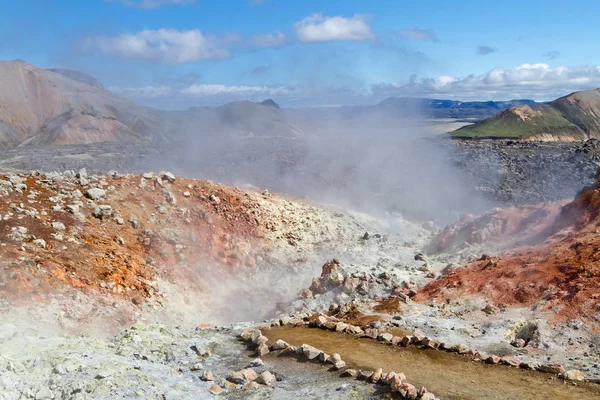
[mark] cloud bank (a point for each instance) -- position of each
(538, 81)
(168, 46)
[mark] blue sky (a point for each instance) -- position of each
(179, 53)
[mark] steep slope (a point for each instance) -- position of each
(570, 118)
(560, 273)
(40, 107)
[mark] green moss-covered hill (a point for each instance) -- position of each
(569, 118)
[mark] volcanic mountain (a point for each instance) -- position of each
(569, 118)
(59, 106)
(41, 107)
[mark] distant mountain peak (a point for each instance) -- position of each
(270, 103)
(77, 76)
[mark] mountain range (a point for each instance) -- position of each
(59, 106)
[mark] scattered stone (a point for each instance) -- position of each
(376, 377)
(323, 357)
(510, 361)
(551, 368)
(207, 376)
(573, 375)
(240, 377)
(310, 352)
(386, 337)
(215, 389)
(266, 378)
(95, 193)
(102, 212)
(40, 243)
(169, 177)
(72, 208)
(251, 385)
(280, 345)
(59, 226)
(335, 357)
(492, 359)
(340, 327)
(262, 350)
(364, 375)
(257, 362)
(339, 365)
(352, 373)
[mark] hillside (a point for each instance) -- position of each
(59, 107)
(570, 118)
(40, 107)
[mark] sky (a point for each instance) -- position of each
(175, 54)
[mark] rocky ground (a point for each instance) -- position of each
(503, 172)
(117, 285)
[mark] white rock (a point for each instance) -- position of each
(95, 193)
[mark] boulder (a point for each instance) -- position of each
(207, 376)
(102, 212)
(95, 193)
(364, 375)
(310, 352)
(262, 350)
(385, 337)
(371, 333)
(352, 373)
(266, 378)
(573, 375)
(340, 327)
(280, 345)
(406, 340)
(215, 389)
(376, 377)
(323, 357)
(339, 365)
(551, 368)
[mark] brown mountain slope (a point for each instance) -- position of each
(55, 107)
(43, 107)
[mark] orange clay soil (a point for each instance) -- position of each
(219, 225)
(563, 272)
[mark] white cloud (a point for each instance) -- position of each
(168, 46)
(419, 34)
(151, 4)
(206, 90)
(537, 81)
(143, 92)
(277, 39)
(317, 28)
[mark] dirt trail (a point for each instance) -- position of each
(463, 379)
